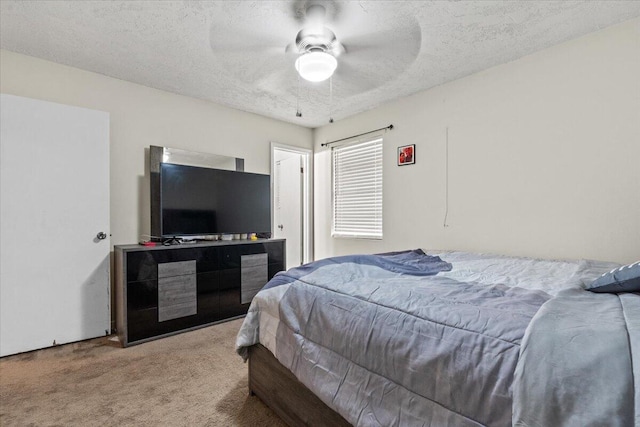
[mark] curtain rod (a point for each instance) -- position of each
(355, 136)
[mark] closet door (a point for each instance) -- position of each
(54, 224)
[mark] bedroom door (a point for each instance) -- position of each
(54, 224)
(290, 202)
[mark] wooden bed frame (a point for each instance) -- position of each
(281, 391)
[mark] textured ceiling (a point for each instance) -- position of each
(233, 52)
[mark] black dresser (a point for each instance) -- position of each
(164, 290)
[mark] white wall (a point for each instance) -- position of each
(544, 158)
(140, 117)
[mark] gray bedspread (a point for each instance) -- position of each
(384, 347)
(576, 365)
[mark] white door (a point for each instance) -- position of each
(54, 200)
(288, 204)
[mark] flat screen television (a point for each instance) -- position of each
(198, 201)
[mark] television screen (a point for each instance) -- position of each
(196, 201)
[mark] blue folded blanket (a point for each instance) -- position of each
(411, 262)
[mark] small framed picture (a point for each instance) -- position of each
(407, 155)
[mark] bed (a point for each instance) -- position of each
(415, 338)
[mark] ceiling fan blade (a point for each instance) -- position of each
(402, 41)
(360, 67)
(292, 48)
(251, 26)
(279, 81)
(245, 42)
(337, 49)
(349, 80)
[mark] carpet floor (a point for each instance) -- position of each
(193, 379)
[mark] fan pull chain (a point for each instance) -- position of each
(298, 112)
(331, 99)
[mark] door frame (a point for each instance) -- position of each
(307, 196)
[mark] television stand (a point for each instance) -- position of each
(163, 290)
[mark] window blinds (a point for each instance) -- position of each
(357, 190)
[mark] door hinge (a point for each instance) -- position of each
(301, 170)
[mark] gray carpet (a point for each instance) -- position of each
(194, 379)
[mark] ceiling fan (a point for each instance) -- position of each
(268, 44)
(317, 45)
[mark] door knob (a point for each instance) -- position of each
(280, 226)
(101, 236)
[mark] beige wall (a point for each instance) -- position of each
(543, 151)
(140, 117)
(544, 158)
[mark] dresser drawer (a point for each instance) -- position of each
(177, 290)
(181, 268)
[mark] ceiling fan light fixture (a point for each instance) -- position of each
(316, 66)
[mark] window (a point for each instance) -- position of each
(357, 190)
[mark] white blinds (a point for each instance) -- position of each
(357, 190)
